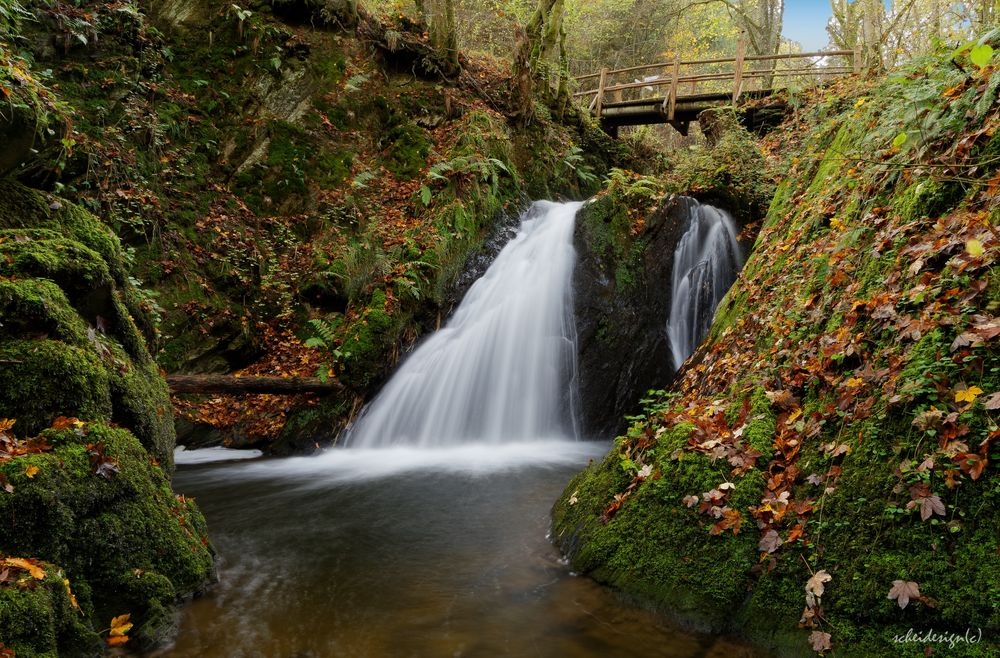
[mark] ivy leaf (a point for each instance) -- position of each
(981, 55)
(902, 591)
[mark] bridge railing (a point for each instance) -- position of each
(725, 77)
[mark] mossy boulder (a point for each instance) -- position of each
(102, 509)
(70, 340)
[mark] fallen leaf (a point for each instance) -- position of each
(967, 394)
(770, 542)
(121, 625)
(931, 505)
(902, 591)
(815, 585)
(36, 571)
(820, 641)
(31, 471)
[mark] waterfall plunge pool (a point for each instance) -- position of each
(401, 552)
(427, 536)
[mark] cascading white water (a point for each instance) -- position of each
(706, 262)
(503, 368)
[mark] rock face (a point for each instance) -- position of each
(622, 298)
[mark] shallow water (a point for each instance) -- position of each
(407, 552)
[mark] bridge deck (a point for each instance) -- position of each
(678, 109)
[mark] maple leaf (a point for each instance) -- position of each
(967, 394)
(6, 424)
(815, 585)
(820, 641)
(120, 625)
(902, 591)
(931, 505)
(770, 542)
(929, 419)
(781, 399)
(31, 471)
(30, 566)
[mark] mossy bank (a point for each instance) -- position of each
(821, 476)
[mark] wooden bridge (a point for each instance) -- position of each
(677, 92)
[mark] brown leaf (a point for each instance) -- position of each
(820, 641)
(770, 542)
(815, 585)
(992, 403)
(902, 591)
(931, 505)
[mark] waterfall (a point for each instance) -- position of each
(706, 262)
(503, 368)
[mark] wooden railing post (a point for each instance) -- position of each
(856, 58)
(673, 88)
(738, 75)
(602, 83)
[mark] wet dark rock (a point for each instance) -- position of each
(622, 300)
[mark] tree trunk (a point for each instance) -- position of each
(533, 63)
(226, 384)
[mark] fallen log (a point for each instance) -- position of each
(229, 385)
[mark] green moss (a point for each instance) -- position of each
(42, 379)
(39, 307)
(37, 619)
(928, 198)
(408, 150)
(655, 547)
(369, 339)
(761, 425)
(125, 538)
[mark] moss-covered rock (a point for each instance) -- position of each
(40, 617)
(70, 340)
(102, 509)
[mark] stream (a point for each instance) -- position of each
(407, 552)
(427, 534)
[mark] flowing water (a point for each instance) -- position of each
(428, 535)
(707, 260)
(501, 369)
(407, 552)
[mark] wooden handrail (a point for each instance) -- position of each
(725, 60)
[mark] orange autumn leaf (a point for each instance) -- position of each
(117, 640)
(121, 625)
(63, 423)
(31, 471)
(6, 424)
(36, 571)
